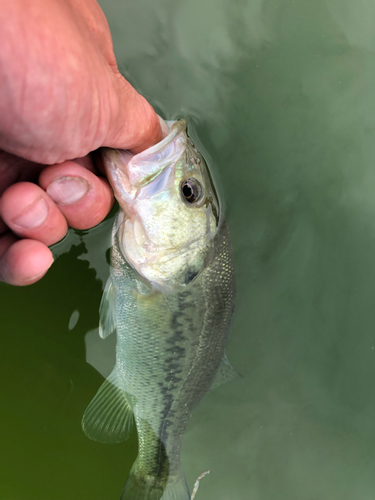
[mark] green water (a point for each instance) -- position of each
(281, 94)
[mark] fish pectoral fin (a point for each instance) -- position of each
(225, 373)
(109, 417)
(107, 311)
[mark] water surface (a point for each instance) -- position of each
(280, 95)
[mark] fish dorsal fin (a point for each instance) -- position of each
(109, 417)
(107, 311)
(225, 373)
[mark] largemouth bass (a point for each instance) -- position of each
(170, 298)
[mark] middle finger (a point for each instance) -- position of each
(30, 213)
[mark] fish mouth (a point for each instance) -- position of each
(127, 172)
(174, 127)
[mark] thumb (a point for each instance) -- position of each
(135, 126)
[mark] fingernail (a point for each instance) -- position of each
(32, 216)
(68, 190)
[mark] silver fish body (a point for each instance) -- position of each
(171, 315)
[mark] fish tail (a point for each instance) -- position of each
(141, 486)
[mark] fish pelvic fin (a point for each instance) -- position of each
(107, 311)
(225, 373)
(109, 417)
(141, 486)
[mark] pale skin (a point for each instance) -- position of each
(61, 97)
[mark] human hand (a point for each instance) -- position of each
(61, 97)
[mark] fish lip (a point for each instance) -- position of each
(176, 127)
(117, 163)
(147, 160)
(109, 155)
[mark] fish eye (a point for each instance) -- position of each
(191, 190)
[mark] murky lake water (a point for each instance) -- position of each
(281, 96)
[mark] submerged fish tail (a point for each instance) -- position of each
(143, 486)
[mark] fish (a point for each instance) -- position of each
(170, 299)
